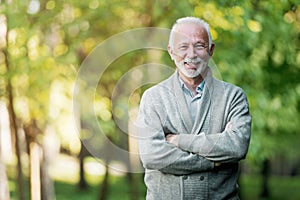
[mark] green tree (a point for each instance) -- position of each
(257, 48)
(45, 42)
(30, 64)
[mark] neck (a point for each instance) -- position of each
(192, 83)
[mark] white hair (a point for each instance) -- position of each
(190, 20)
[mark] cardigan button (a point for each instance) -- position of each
(201, 178)
(184, 177)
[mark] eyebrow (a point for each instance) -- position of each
(198, 42)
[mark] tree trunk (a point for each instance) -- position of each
(14, 130)
(41, 186)
(105, 183)
(35, 177)
(31, 132)
(11, 113)
(265, 174)
(50, 149)
(15, 135)
(47, 187)
(134, 162)
(4, 189)
(82, 154)
(104, 187)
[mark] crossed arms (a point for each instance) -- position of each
(186, 153)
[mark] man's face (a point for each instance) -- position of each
(190, 49)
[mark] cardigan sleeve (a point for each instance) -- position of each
(155, 152)
(229, 145)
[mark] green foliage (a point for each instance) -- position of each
(257, 48)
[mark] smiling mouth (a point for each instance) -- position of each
(190, 65)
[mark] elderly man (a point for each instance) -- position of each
(193, 128)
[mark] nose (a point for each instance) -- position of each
(191, 51)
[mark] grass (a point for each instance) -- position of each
(65, 174)
(287, 188)
(118, 189)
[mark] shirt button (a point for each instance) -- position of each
(184, 177)
(201, 178)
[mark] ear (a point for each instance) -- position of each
(170, 51)
(212, 48)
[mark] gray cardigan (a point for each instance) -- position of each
(187, 171)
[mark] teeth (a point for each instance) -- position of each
(190, 63)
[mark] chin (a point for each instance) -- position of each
(192, 73)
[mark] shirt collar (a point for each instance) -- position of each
(199, 88)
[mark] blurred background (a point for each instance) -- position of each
(44, 42)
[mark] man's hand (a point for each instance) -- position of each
(173, 139)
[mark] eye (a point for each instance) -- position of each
(200, 46)
(183, 47)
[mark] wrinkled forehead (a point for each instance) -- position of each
(190, 32)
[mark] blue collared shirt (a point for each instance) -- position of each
(192, 99)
